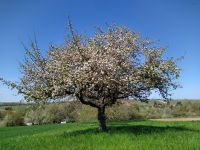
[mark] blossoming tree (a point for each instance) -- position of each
(113, 64)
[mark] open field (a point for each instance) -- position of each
(151, 135)
(177, 119)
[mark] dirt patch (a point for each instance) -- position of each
(177, 119)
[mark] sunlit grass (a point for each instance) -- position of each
(121, 135)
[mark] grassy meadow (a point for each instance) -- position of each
(138, 134)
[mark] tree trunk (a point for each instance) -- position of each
(102, 119)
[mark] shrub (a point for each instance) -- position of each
(53, 113)
(124, 111)
(87, 114)
(14, 118)
(1, 115)
(8, 108)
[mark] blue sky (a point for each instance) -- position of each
(175, 23)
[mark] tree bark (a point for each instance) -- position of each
(102, 119)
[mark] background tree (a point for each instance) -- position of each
(113, 64)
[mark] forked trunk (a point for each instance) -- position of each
(102, 119)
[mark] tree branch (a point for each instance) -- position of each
(81, 98)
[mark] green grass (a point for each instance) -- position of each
(124, 135)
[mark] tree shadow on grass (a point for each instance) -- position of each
(130, 129)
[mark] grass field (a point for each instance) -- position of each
(131, 135)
